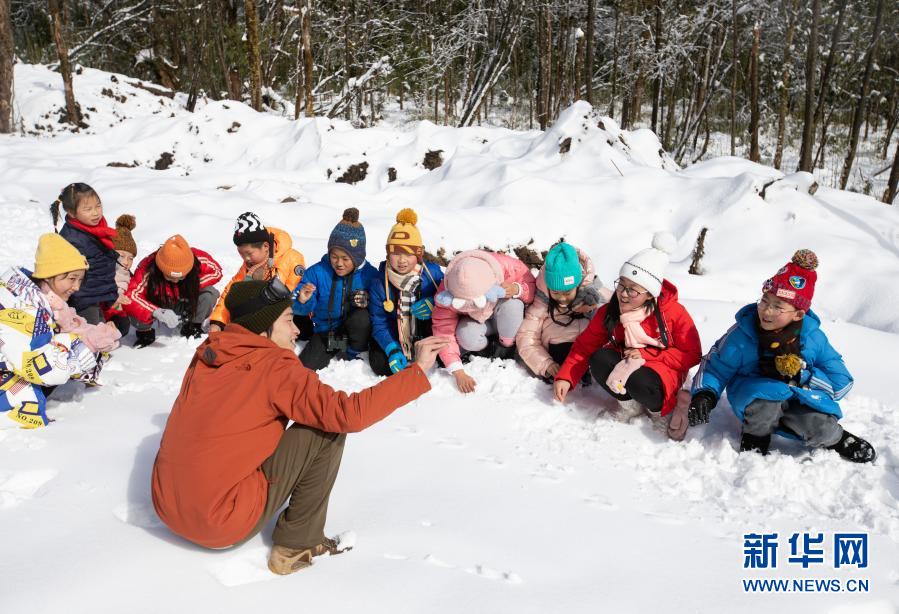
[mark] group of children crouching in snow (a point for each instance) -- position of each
(781, 375)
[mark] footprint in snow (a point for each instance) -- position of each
(410, 430)
(664, 518)
(433, 560)
(483, 571)
(19, 487)
(492, 460)
(138, 514)
(453, 443)
(246, 566)
(600, 502)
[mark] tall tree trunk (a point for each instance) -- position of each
(308, 65)
(73, 111)
(808, 120)
(735, 64)
(784, 94)
(754, 154)
(579, 78)
(7, 57)
(588, 62)
(253, 54)
(890, 195)
(543, 87)
(615, 63)
(835, 38)
(657, 77)
(859, 113)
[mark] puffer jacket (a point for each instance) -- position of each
(541, 329)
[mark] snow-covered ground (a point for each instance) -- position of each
(501, 501)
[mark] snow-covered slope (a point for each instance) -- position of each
(501, 501)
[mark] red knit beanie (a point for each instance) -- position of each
(795, 282)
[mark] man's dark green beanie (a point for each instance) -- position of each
(259, 319)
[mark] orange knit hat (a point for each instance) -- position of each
(175, 259)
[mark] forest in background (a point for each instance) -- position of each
(789, 83)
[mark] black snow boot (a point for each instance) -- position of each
(191, 330)
(145, 337)
(503, 352)
(755, 443)
(854, 448)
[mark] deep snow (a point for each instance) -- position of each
(498, 501)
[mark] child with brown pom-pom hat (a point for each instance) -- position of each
(780, 371)
(126, 249)
(334, 294)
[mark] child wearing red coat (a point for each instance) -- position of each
(641, 345)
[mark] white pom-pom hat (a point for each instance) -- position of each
(647, 267)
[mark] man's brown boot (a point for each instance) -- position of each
(284, 560)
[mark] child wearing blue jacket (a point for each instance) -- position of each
(402, 297)
(334, 294)
(780, 372)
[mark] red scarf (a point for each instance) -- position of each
(102, 232)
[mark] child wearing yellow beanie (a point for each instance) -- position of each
(45, 343)
(402, 297)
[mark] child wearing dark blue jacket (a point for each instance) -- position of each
(402, 297)
(86, 229)
(780, 371)
(334, 295)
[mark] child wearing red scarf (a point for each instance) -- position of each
(86, 229)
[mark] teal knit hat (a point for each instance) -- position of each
(562, 269)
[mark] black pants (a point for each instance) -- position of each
(356, 329)
(557, 351)
(644, 385)
(94, 315)
(377, 357)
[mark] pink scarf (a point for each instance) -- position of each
(634, 338)
(98, 337)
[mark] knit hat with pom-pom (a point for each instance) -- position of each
(349, 235)
(404, 237)
(795, 281)
(647, 267)
(123, 241)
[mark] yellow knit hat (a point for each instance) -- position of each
(404, 236)
(175, 258)
(55, 256)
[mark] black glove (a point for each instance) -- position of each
(359, 298)
(145, 337)
(701, 405)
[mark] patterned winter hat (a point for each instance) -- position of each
(647, 267)
(123, 241)
(249, 229)
(562, 270)
(262, 311)
(795, 281)
(175, 258)
(404, 237)
(349, 235)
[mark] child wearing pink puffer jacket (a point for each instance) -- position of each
(568, 293)
(482, 295)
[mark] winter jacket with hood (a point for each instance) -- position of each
(445, 319)
(288, 265)
(235, 400)
(322, 276)
(671, 363)
(733, 364)
(539, 330)
(384, 323)
(141, 308)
